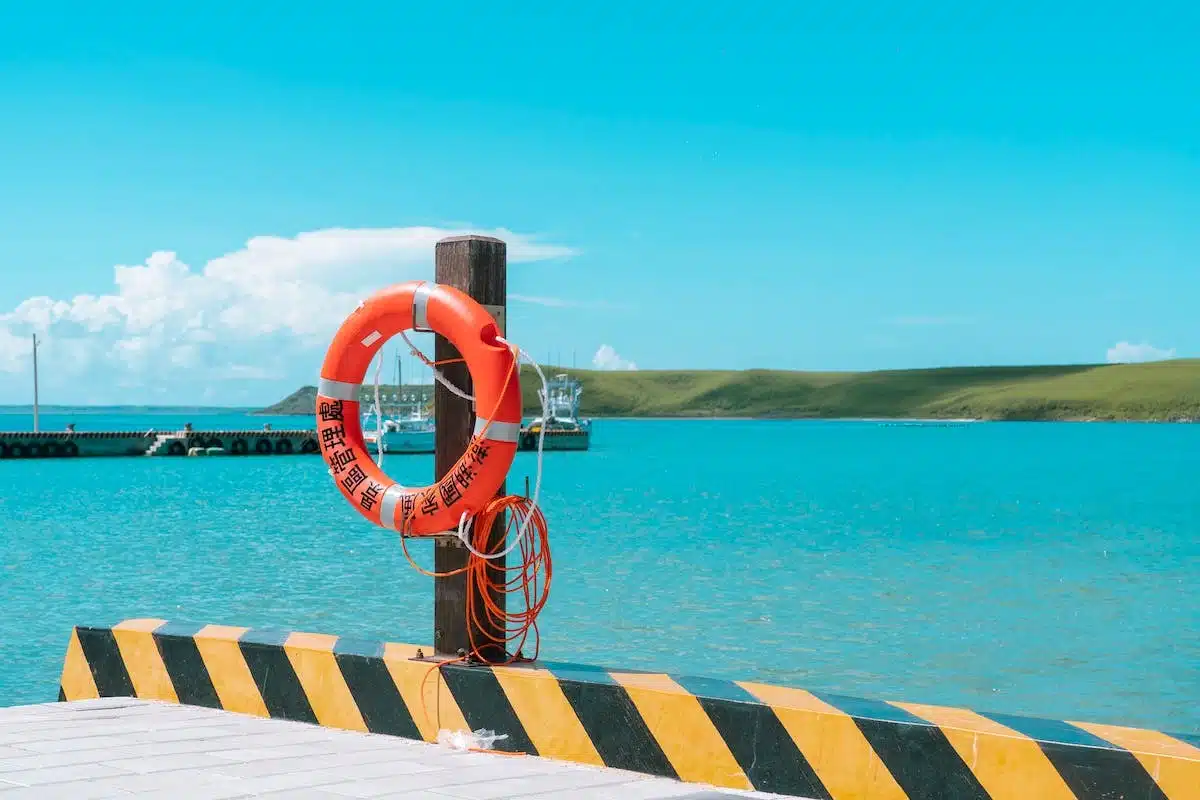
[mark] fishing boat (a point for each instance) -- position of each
(407, 426)
(404, 421)
(564, 428)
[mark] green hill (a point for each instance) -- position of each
(1165, 390)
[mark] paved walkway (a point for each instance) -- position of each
(122, 747)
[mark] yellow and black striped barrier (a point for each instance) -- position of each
(731, 734)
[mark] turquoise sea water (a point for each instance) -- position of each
(1046, 569)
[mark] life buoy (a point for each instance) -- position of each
(263, 446)
(284, 447)
(474, 480)
(309, 447)
(239, 447)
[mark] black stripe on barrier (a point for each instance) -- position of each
(613, 723)
(484, 704)
(370, 683)
(1091, 767)
(104, 659)
(184, 664)
(277, 682)
(918, 754)
(763, 748)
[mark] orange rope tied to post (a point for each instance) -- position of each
(486, 579)
(529, 579)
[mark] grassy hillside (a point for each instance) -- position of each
(1159, 391)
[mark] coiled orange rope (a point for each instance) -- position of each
(493, 626)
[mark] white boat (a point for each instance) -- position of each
(565, 429)
(407, 424)
(407, 427)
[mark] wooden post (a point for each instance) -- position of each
(476, 265)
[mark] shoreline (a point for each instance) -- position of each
(780, 418)
(146, 411)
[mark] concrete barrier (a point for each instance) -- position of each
(732, 734)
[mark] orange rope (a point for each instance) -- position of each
(424, 358)
(528, 580)
(506, 629)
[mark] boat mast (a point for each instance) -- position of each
(35, 385)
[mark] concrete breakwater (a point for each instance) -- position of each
(72, 444)
(731, 734)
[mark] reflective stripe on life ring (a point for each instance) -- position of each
(476, 477)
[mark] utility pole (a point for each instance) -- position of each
(35, 385)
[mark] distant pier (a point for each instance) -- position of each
(73, 444)
(91, 444)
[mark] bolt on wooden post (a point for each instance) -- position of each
(476, 265)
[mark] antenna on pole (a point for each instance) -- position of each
(35, 384)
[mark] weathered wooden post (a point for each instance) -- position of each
(476, 265)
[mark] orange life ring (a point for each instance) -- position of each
(476, 477)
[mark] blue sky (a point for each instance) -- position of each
(849, 186)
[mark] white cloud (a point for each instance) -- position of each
(562, 302)
(260, 307)
(552, 302)
(1126, 353)
(607, 358)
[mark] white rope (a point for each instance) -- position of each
(525, 516)
(378, 414)
(464, 524)
(437, 373)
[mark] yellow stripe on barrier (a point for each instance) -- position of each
(546, 714)
(77, 682)
(231, 678)
(143, 662)
(1174, 765)
(311, 655)
(429, 701)
(683, 730)
(837, 750)
(1009, 764)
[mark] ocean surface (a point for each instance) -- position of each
(1046, 569)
